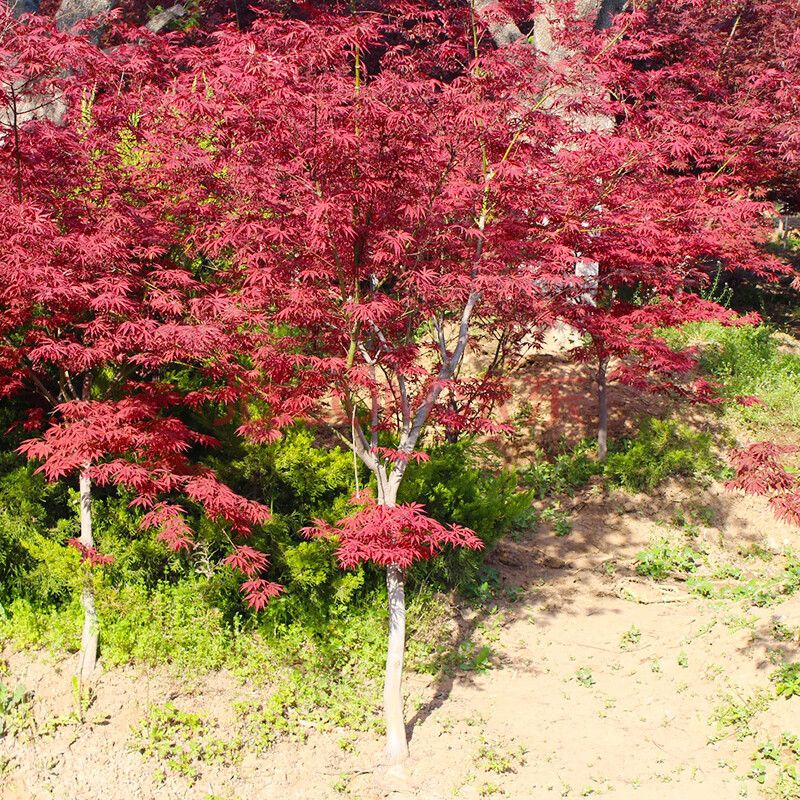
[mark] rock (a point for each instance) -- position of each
(165, 18)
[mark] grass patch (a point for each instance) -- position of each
(661, 449)
(663, 558)
(181, 741)
(748, 362)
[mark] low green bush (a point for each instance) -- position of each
(455, 490)
(747, 361)
(660, 449)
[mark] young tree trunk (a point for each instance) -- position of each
(88, 655)
(396, 742)
(602, 403)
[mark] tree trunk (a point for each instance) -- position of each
(396, 742)
(88, 655)
(602, 403)
(20, 7)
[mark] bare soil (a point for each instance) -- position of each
(579, 678)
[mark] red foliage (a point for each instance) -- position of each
(760, 470)
(400, 534)
(341, 206)
(386, 215)
(677, 171)
(104, 317)
(89, 554)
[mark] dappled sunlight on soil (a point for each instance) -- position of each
(575, 676)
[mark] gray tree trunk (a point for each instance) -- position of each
(602, 404)
(88, 655)
(396, 741)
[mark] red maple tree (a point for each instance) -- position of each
(101, 313)
(383, 218)
(364, 210)
(656, 198)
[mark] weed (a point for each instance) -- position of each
(584, 676)
(514, 594)
(630, 638)
(82, 698)
(736, 713)
(701, 586)
(456, 490)
(16, 712)
(484, 588)
(470, 657)
(609, 567)
(723, 571)
(348, 743)
(767, 590)
(493, 756)
(776, 763)
(298, 706)
(755, 550)
(447, 723)
(747, 361)
(570, 470)
(758, 772)
(683, 659)
(559, 517)
(7, 766)
(735, 622)
(781, 631)
(662, 558)
(342, 783)
(181, 740)
(787, 680)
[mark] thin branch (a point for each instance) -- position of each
(374, 398)
(66, 378)
(43, 390)
(441, 341)
(404, 406)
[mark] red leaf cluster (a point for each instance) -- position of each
(400, 534)
(760, 471)
(343, 207)
(89, 554)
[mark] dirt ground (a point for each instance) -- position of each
(579, 678)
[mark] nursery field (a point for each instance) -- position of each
(628, 642)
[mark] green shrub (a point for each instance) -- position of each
(566, 472)
(748, 362)
(57, 628)
(157, 606)
(171, 623)
(455, 490)
(661, 448)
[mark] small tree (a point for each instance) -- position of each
(656, 199)
(99, 314)
(385, 219)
